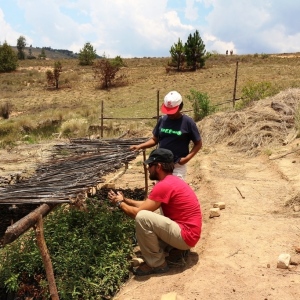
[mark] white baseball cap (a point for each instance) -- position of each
(171, 103)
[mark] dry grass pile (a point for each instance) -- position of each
(266, 123)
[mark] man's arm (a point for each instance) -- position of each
(148, 144)
(197, 146)
(132, 207)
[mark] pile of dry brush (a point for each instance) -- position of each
(268, 122)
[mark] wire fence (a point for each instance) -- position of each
(157, 116)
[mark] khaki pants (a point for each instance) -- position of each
(154, 232)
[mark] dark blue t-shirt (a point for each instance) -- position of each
(176, 135)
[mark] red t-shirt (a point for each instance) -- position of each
(180, 204)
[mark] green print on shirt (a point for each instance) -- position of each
(170, 131)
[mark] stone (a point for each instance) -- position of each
(214, 212)
(296, 208)
(169, 296)
(220, 205)
(136, 261)
(295, 260)
(283, 261)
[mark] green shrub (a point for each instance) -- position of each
(89, 251)
(7, 128)
(8, 58)
(201, 104)
(264, 55)
(254, 91)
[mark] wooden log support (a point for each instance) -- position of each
(40, 239)
(14, 231)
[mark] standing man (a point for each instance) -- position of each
(180, 224)
(175, 131)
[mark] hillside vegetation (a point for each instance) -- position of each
(41, 112)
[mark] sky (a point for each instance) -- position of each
(148, 28)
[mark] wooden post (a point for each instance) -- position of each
(21, 226)
(40, 239)
(235, 81)
(146, 174)
(157, 107)
(101, 134)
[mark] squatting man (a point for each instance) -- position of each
(179, 224)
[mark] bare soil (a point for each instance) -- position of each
(236, 257)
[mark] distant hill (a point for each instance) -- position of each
(50, 53)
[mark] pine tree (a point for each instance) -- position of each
(21, 44)
(8, 58)
(195, 51)
(177, 54)
(87, 55)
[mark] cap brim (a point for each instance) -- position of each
(148, 161)
(169, 110)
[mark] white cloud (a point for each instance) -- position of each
(212, 43)
(191, 11)
(8, 34)
(149, 28)
(251, 25)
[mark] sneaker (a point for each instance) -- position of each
(144, 269)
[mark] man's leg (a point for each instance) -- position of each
(150, 229)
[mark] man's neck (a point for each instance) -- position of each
(163, 175)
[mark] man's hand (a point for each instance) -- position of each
(115, 197)
(134, 147)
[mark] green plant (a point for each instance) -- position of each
(87, 54)
(42, 55)
(194, 50)
(201, 104)
(254, 91)
(89, 251)
(264, 55)
(177, 54)
(8, 58)
(21, 44)
(118, 62)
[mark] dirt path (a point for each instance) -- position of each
(236, 257)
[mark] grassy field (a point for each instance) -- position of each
(79, 99)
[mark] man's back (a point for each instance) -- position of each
(180, 204)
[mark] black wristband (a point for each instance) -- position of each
(119, 203)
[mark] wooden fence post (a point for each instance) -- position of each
(235, 82)
(101, 119)
(40, 239)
